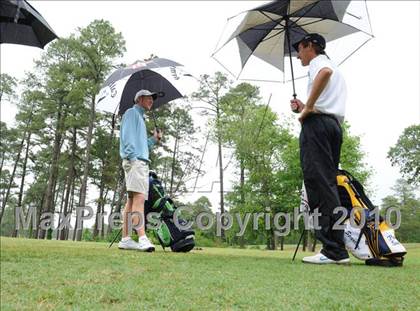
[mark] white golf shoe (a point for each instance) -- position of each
(344, 261)
(145, 245)
(319, 259)
(128, 244)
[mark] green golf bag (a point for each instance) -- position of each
(167, 232)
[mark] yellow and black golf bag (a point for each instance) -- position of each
(368, 237)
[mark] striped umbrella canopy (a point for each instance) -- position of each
(260, 39)
(160, 75)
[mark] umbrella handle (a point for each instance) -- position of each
(297, 109)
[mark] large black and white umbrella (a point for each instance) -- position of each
(159, 75)
(20, 23)
(264, 36)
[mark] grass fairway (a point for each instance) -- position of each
(63, 275)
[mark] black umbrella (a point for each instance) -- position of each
(158, 75)
(20, 23)
(268, 32)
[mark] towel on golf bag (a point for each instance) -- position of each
(168, 234)
(305, 209)
(376, 246)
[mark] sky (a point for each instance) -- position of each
(382, 77)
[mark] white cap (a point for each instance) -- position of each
(144, 93)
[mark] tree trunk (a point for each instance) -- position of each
(268, 241)
(222, 203)
(122, 189)
(67, 189)
(33, 230)
(242, 180)
(99, 205)
(173, 165)
(113, 202)
(242, 193)
(164, 175)
(57, 191)
(53, 173)
(272, 239)
(62, 206)
(14, 167)
(62, 233)
(120, 197)
(61, 209)
(242, 241)
(39, 211)
(2, 162)
(219, 144)
(201, 161)
(83, 190)
(70, 182)
(71, 207)
(22, 181)
(76, 222)
(103, 211)
(12, 176)
(56, 194)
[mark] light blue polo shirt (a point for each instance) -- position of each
(134, 143)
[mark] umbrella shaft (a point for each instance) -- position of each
(290, 56)
(155, 122)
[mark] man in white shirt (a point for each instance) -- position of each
(320, 144)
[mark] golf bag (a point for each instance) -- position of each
(375, 245)
(168, 234)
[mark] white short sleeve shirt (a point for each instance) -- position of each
(333, 98)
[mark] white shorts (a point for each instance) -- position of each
(136, 176)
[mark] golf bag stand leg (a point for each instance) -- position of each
(297, 246)
(115, 238)
(160, 241)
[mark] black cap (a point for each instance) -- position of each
(311, 37)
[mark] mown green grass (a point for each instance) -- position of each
(65, 275)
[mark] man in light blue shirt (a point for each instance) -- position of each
(134, 144)
(134, 151)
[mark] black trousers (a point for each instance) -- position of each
(320, 145)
